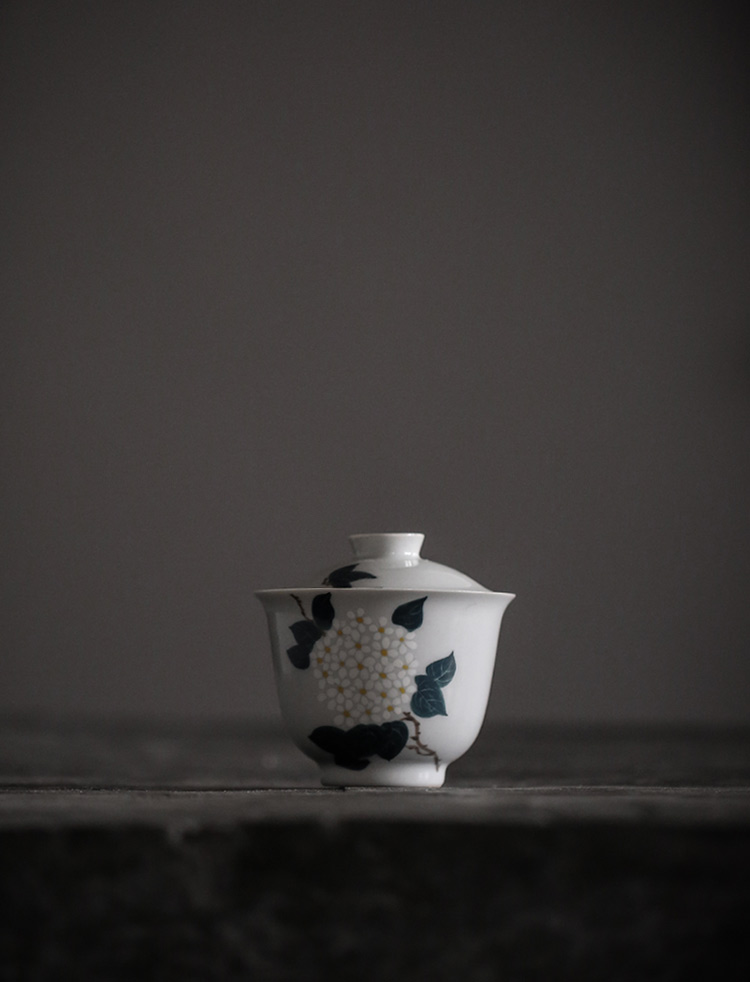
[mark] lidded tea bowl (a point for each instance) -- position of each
(384, 663)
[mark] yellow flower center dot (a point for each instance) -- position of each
(340, 688)
(327, 648)
(325, 675)
(401, 689)
(384, 652)
(360, 666)
(363, 692)
(383, 675)
(383, 695)
(382, 630)
(319, 661)
(340, 633)
(360, 621)
(347, 713)
(358, 646)
(389, 708)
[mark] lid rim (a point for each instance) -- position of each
(278, 591)
(392, 561)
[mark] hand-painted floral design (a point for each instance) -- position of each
(403, 642)
(366, 670)
(346, 575)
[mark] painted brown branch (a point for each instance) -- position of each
(299, 604)
(421, 748)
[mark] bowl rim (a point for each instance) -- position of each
(382, 591)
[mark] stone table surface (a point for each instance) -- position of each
(211, 852)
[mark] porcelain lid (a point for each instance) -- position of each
(391, 560)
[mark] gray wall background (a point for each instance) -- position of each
(276, 272)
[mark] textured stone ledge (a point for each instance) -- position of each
(551, 855)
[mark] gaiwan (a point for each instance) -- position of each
(384, 663)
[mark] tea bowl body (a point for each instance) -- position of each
(384, 686)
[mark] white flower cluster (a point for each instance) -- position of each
(365, 669)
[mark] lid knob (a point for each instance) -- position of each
(388, 545)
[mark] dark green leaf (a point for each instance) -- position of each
(428, 699)
(393, 739)
(442, 671)
(353, 748)
(351, 763)
(362, 740)
(322, 611)
(299, 655)
(328, 738)
(409, 615)
(360, 574)
(346, 575)
(350, 748)
(305, 632)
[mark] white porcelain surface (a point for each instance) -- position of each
(379, 682)
(387, 560)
